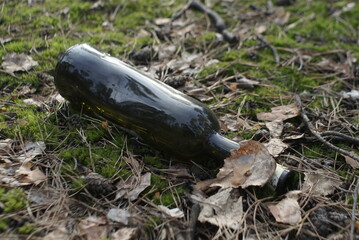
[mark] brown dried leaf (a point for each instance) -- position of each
(133, 186)
(353, 163)
(222, 209)
(250, 165)
(26, 175)
(275, 146)
(287, 210)
(275, 128)
(93, 228)
(320, 183)
(14, 62)
(280, 113)
(125, 234)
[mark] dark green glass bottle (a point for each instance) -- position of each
(162, 116)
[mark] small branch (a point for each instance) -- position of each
(215, 18)
(275, 53)
(195, 210)
(355, 204)
(318, 135)
(342, 136)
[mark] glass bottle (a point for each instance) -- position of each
(160, 115)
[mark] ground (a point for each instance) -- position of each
(61, 169)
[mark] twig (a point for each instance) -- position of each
(215, 18)
(352, 224)
(275, 53)
(342, 136)
(195, 210)
(318, 135)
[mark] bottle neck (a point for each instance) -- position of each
(220, 147)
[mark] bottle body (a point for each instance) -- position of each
(160, 115)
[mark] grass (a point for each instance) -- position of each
(45, 29)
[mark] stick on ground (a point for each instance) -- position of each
(215, 18)
(318, 135)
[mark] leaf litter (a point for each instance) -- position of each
(261, 17)
(14, 62)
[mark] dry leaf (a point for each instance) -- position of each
(5, 145)
(353, 163)
(229, 122)
(26, 175)
(261, 28)
(353, 94)
(31, 101)
(275, 146)
(60, 233)
(93, 228)
(31, 150)
(275, 128)
(133, 186)
(250, 165)
(162, 21)
(222, 209)
(287, 210)
(280, 113)
(174, 212)
(119, 215)
(14, 62)
(320, 183)
(125, 234)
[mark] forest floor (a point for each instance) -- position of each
(286, 74)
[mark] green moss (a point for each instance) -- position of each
(154, 161)
(26, 229)
(4, 225)
(13, 199)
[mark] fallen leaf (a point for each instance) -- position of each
(320, 183)
(275, 146)
(93, 228)
(31, 101)
(31, 150)
(229, 122)
(222, 209)
(250, 165)
(59, 233)
(5, 40)
(353, 163)
(26, 175)
(174, 212)
(125, 234)
(97, 5)
(353, 94)
(14, 62)
(133, 186)
(162, 21)
(275, 128)
(259, 29)
(287, 210)
(119, 215)
(5, 146)
(280, 113)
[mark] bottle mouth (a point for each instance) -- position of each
(282, 180)
(285, 182)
